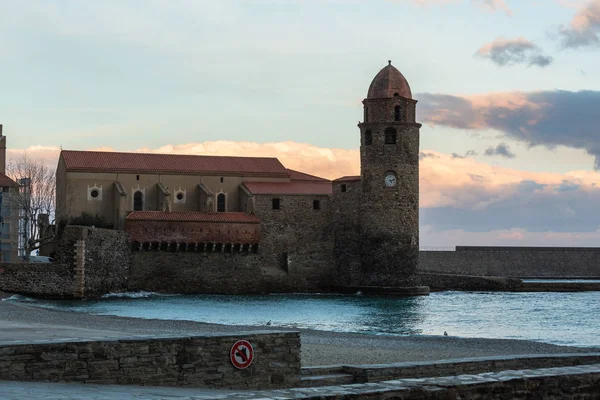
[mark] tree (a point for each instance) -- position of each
(36, 200)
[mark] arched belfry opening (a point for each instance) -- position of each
(390, 135)
(398, 113)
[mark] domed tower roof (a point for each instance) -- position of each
(388, 82)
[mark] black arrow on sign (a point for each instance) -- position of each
(244, 355)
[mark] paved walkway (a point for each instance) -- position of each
(64, 391)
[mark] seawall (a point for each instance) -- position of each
(533, 262)
(36, 279)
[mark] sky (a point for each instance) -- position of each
(508, 94)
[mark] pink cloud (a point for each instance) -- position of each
(445, 180)
(584, 28)
(491, 5)
(512, 237)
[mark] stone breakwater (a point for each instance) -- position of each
(198, 361)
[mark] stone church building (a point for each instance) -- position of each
(280, 229)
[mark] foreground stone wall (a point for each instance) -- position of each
(580, 382)
(199, 361)
(37, 279)
(514, 261)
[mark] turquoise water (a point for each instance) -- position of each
(559, 318)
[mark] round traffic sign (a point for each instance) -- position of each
(241, 354)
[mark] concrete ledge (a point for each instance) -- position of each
(557, 287)
(477, 365)
(166, 360)
(398, 291)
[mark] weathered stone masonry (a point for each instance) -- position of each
(107, 258)
(295, 254)
(40, 280)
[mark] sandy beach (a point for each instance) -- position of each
(20, 322)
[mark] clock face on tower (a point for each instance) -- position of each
(390, 180)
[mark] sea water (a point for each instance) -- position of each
(558, 318)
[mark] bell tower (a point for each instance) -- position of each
(389, 206)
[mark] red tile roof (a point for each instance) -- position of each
(291, 188)
(192, 216)
(302, 177)
(6, 181)
(351, 178)
(96, 161)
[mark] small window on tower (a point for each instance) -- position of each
(398, 113)
(343, 188)
(368, 138)
(390, 136)
(221, 179)
(316, 205)
(366, 114)
(276, 204)
(137, 177)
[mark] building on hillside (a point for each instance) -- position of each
(9, 210)
(359, 230)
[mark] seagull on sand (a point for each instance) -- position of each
(445, 333)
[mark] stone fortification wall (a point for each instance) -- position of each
(107, 258)
(196, 272)
(193, 232)
(297, 243)
(346, 219)
(226, 273)
(295, 254)
(514, 261)
(37, 279)
(199, 361)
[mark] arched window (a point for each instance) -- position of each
(366, 114)
(390, 136)
(221, 202)
(368, 138)
(398, 113)
(138, 201)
